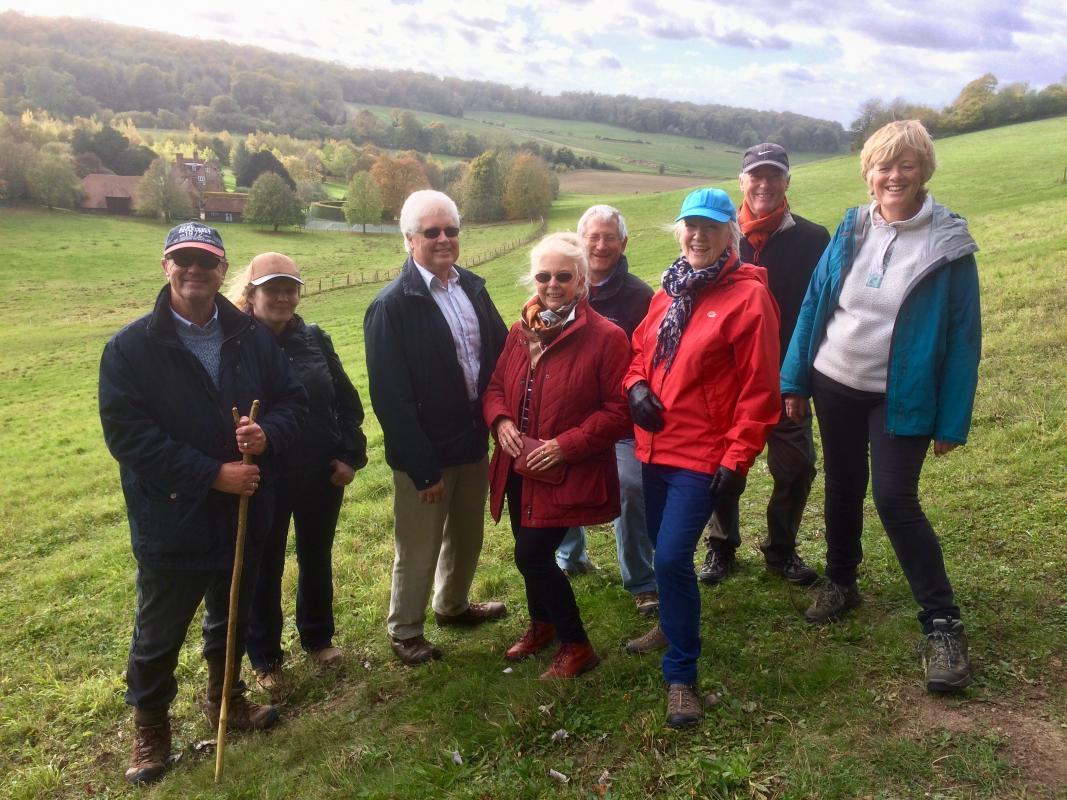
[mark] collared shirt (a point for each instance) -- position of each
(203, 341)
(462, 320)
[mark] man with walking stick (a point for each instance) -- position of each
(168, 382)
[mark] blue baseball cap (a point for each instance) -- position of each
(714, 204)
(194, 234)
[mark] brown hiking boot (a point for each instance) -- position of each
(833, 601)
(415, 650)
(270, 680)
(536, 638)
(242, 715)
(327, 657)
(649, 643)
(684, 707)
(476, 614)
(647, 603)
(151, 746)
(571, 660)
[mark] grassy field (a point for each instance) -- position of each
(629, 150)
(834, 712)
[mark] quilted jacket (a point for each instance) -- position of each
(576, 399)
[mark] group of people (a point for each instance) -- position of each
(607, 402)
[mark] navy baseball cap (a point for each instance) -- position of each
(714, 204)
(194, 234)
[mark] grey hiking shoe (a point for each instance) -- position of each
(945, 657)
(794, 570)
(832, 601)
(716, 567)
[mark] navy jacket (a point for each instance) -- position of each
(417, 387)
(623, 299)
(171, 430)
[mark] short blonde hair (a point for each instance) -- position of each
(241, 289)
(888, 142)
(567, 245)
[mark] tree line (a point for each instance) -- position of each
(166, 81)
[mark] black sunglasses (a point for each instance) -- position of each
(186, 258)
(432, 233)
(561, 277)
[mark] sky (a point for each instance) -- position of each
(817, 57)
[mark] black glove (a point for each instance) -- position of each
(645, 407)
(726, 481)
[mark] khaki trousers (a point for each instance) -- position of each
(437, 544)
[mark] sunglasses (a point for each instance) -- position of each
(186, 258)
(561, 277)
(432, 233)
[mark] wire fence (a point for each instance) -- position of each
(365, 276)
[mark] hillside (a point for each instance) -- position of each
(821, 713)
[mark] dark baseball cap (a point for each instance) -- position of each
(765, 153)
(194, 234)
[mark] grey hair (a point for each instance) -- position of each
(568, 245)
(602, 213)
(420, 205)
(735, 234)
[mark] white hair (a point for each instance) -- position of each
(602, 213)
(420, 205)
(567, 245)
(735, 233)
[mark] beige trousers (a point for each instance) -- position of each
(437, 544)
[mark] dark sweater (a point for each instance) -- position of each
(623, 299)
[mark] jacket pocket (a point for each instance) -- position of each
(585, 486)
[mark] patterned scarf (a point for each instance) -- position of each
(682, 282)
(758, 230)
(540, 324)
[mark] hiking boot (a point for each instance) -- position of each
(945, 657)
(536, 638)
(326, 657)
(794, 570)
(571, 660)
(684, 706)
(832, 601)
(716, 567)
(269, 680)
(648, 643)
(647, 603)
(151, 746)
(476, 614)
(242, 714)
(415, 650)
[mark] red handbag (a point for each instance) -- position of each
(553, 475)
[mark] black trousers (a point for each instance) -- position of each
(314, 509)
(849, 421)
(791, 461)
(549, 596)
(167, 600)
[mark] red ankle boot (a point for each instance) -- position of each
(571, 660)
(537, 637)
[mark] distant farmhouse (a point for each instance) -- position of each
(202, 180)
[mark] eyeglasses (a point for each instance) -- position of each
(186, 258)
(561, 277)
(605, 238)
(432, 233)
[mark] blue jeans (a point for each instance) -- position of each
(678, 504)
(631, 532)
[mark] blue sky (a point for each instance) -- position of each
(818, 57)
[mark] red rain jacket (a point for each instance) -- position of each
(577, 399)
(721, 395)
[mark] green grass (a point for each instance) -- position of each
(631, 151)
(834, 712)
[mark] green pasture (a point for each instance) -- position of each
(803, 712)
(630, 150)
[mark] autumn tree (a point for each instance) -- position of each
(52, 180)
(363, 202)
(160, 195)
(396, 179)
(527, 188)
(483, 189)
(272, 202)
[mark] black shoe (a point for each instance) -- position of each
(832, 601)
(717, 565)
(794, 570)
(945, 657)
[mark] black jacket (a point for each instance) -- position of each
(335, 414)
(171, 430)
(417, 387)
(789, 257)
(623, 299)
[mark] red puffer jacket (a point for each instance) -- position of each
(721, 395)
(577, 399)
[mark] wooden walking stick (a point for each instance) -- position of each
(235, 593)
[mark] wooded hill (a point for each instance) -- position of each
(72, 67)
